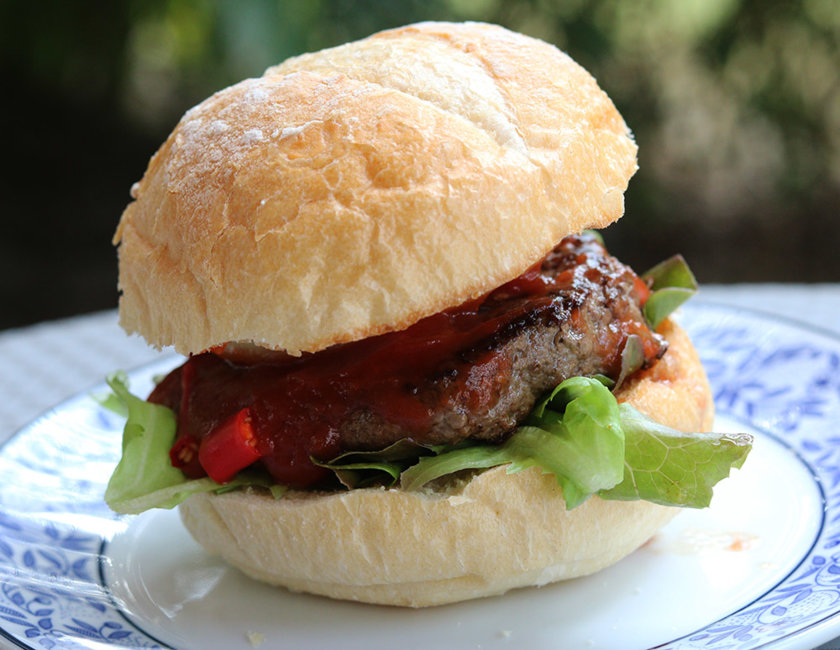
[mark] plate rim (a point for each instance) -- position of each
(823, 499)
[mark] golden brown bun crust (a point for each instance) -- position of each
(358, 189)
(417, 549)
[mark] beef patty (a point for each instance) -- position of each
(469, 372)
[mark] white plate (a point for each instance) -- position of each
(760, 566)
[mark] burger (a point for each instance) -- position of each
(413, 375)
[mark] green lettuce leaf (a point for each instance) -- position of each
(110, 400)
(632, 359)
(145, 478)
(671, 283)
(573, 433)
(429, 468)
(355, 469)
(593, 445)
(666, 466)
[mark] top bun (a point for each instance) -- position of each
(358, 189)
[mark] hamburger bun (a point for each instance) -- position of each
(354, 191)
(470, 537)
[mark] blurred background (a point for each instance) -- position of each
(735, 106)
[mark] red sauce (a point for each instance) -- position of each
(297, 403)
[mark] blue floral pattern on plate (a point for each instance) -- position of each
(778, 376)
(52, 526)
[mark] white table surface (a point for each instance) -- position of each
(46, 363)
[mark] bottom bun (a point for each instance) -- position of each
(473, 537)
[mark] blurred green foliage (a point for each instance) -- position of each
(735, 106)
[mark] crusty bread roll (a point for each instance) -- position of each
(356, 190)
(352, 192)
(476, 537)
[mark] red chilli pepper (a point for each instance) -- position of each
(183, 456)
(229, 447)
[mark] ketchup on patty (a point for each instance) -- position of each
(427, 377)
